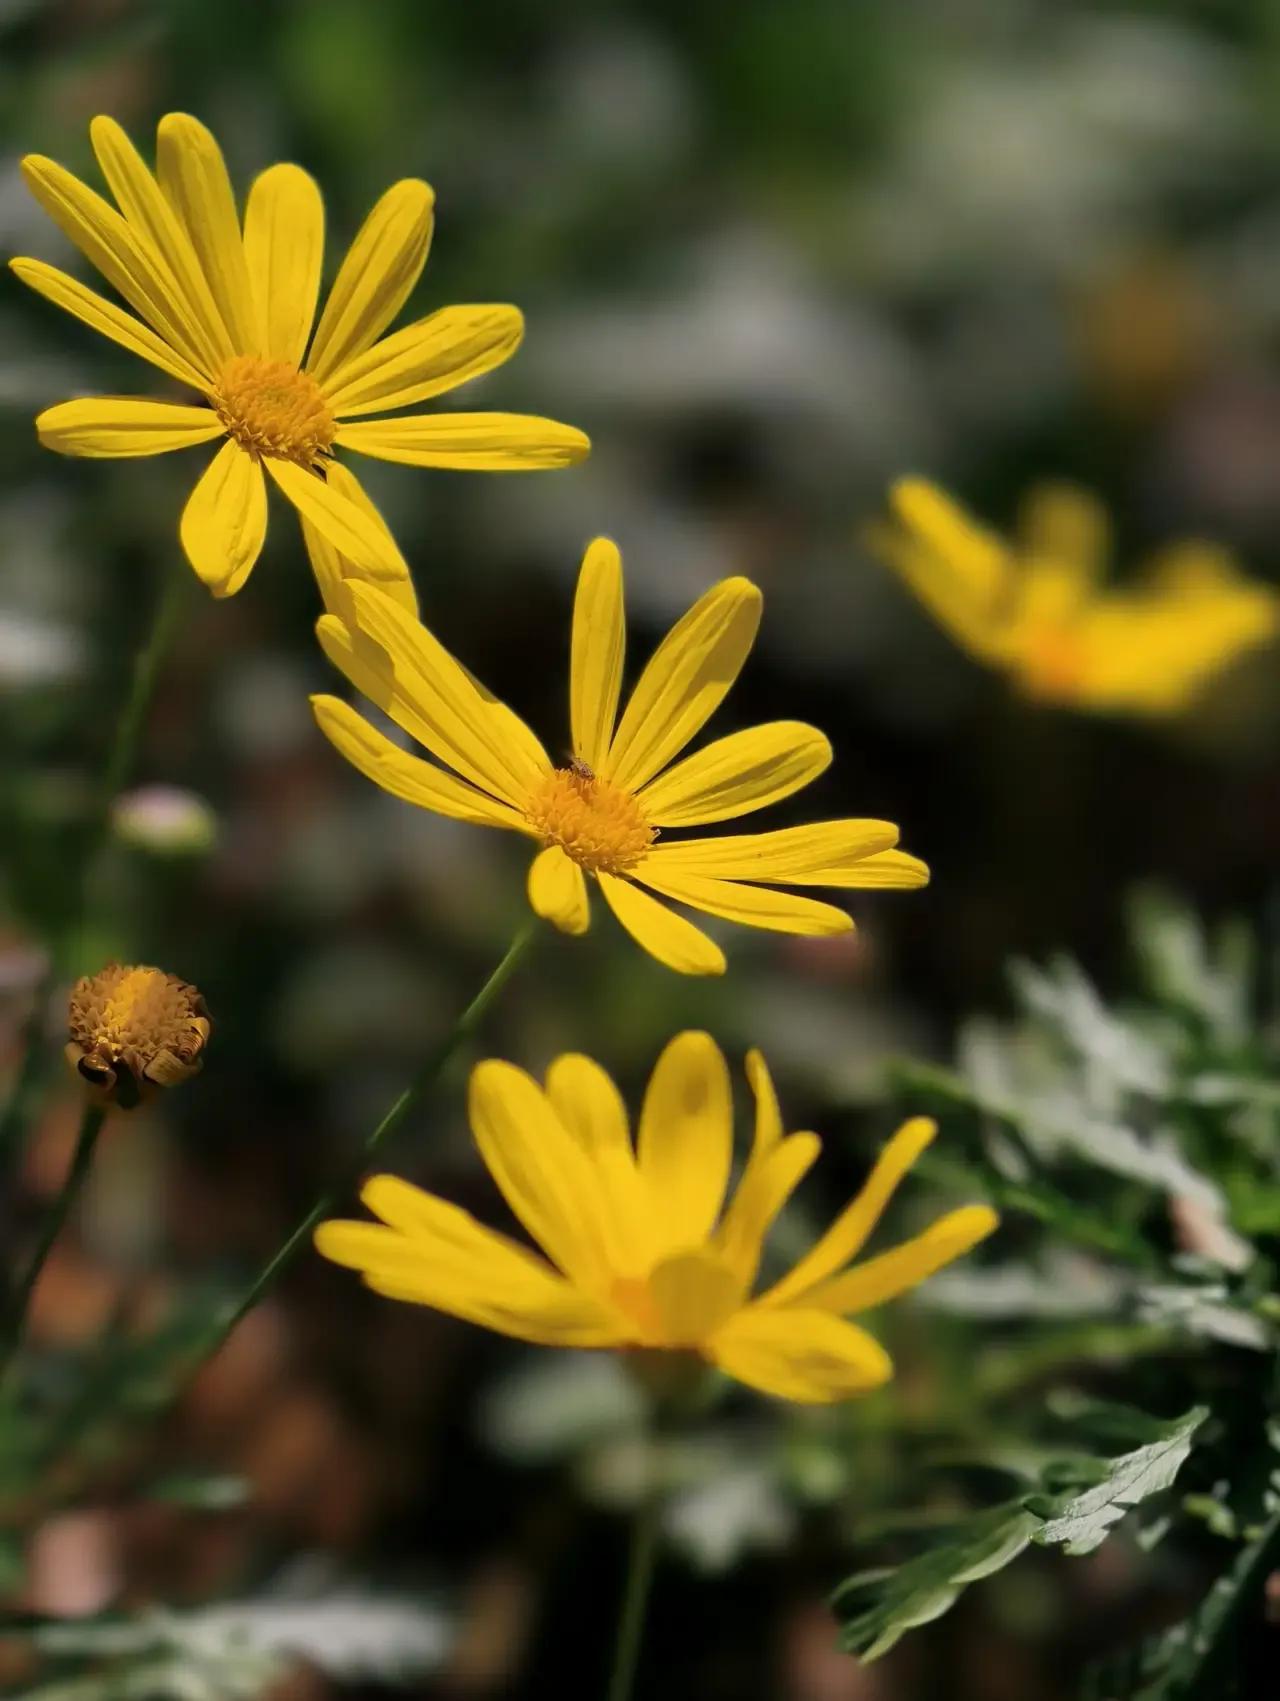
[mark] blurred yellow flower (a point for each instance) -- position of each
(601, 813)
(645, 1251)
(1036, 610)
(228, 312)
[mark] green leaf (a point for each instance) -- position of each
(925, 1587)
(1086, 1521)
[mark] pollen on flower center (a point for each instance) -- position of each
(272, 408)
(597, 824)
(133, 1027)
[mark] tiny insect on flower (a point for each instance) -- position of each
(134, 1029)
(644, 1248)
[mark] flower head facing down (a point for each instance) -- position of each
(642, 1244)
(1036, 610)
(228, 309)
(606, 814)
(134, 1028)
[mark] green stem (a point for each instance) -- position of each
(116, 774)
(641, 1563)
(16, 1315)
(424, 1078)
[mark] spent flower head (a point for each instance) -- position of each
(133, 1029)
(605, 814)
(644, 1248)
(227, 309)
(1035, 608)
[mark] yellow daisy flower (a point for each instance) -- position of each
(227, 310)
(601, 813)
(1035, 608)
(642, 1247)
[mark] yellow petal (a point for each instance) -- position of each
(193, 178)
(131, 265)
(685, 1143)
(591, 1108)
(659, 931)
(693, 1294)
(155, 223)
(106, 427)
(787, 856)
(356, 531)
(768, 1129)
(106, 318)
(447, 712)
(406, 777)
(907, 1265)
(543, 1173)
(225, 520)
(376, 277)
(684, 682)
(974, 557)
(597, 652)
(767, 1183)
(449, 1261)
(332, 570)
(558, 891)
(889, 870)
(284, 254)
(469, 442)
(1061, 522)
(745, 771)
(425, 359)
(800, 1355)
(750, 906)
(848, 1234)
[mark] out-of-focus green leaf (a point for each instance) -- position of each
(1086, 1521)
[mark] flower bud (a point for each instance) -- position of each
(133, 1029)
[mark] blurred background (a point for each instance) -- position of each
(771, 257)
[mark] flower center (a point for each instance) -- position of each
(1053, 662)
(272, 408)
(599, 825)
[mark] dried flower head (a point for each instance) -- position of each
(134, 1028)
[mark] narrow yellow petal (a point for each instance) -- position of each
(284, 255)
(597, 652)
(975, 556)
(888, 870)
(806, 1356)
(787, 856)
(332, 570)
(131, 265)
(193, 178)
(454, 717)
(156, 224)
(769, 1126)
(750, 906)
(1062, 522)
(906, 1266)
(376, 278)
(106, 318)
(848, 1234)
(685, 1144)
(355, 531)
(659, 931)
(425, 359)
(469, 442)
(745, 771)
(406, 777)
(107, 427)
(224, 522)
(685, 681)
(543, 1173)
(767, 1183)
(591, 1108)
(558, 891)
